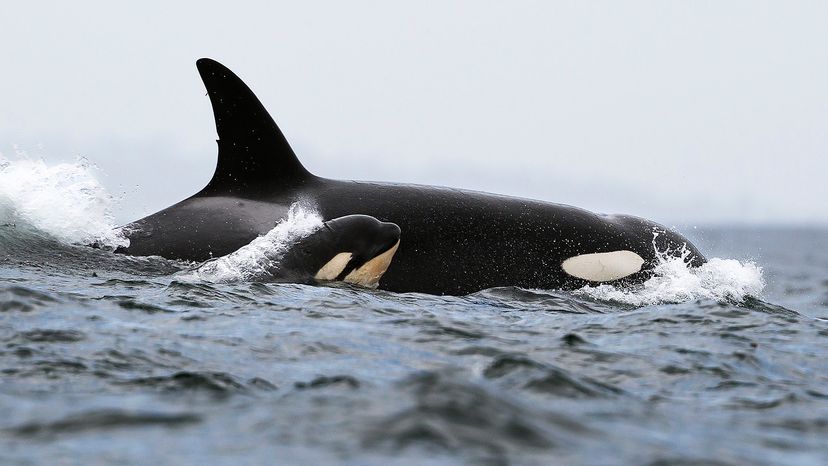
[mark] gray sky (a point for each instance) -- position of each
(684, 112)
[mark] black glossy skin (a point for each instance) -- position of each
(363, 236)
(454, 241)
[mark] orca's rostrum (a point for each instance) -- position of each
(452, 241)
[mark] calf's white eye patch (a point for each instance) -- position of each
(603, 266)
(369, 274)
(334, 267)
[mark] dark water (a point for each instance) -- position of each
(109, 359)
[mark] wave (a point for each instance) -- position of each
(259, 258)
(65, 201)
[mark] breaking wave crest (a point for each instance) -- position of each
(262, 255)
(674, 281)
(65, 201)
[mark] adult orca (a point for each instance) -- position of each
(455, 241)
(354, 249)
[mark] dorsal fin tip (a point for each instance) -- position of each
(253, 154)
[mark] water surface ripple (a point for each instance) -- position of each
(110, 359)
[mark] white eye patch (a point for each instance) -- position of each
(603, 266)
(334, 267)
(369, 274)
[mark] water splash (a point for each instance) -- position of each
(675, 281)
(65, 201)
(261, 256)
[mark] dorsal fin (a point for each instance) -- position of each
(253, 154)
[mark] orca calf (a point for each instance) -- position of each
(354, 249)
(456, 241)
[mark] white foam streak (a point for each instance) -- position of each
(260, 257)
(676, 282)
(65, 201)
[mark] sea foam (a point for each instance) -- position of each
(674, 281)
(64, 200)
(261, 256)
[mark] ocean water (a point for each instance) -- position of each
(113, 359)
